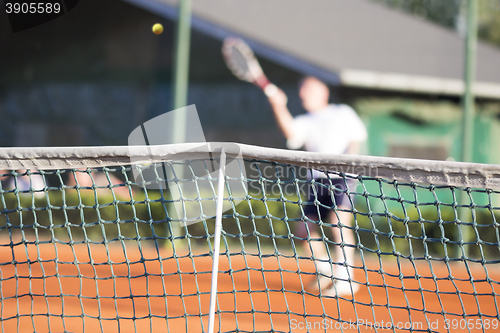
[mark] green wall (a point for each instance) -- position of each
(386, 130)
(409, 133)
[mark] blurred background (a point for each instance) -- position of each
(93, 75)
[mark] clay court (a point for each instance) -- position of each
(254, 294)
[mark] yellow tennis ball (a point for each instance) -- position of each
(157, 28)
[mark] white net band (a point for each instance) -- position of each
(409, 170)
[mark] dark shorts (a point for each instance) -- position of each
(327, 199)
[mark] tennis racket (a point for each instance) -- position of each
(241, 61)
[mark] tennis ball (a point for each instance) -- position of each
(157, 28)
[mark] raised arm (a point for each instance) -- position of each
(278, 101)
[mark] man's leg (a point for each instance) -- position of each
(343, 234)
(344, 255)
(315, 248)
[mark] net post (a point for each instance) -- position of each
(217, 233)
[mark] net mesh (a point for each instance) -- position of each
(107, 248)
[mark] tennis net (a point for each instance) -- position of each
(121, 239)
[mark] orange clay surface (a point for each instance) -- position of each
(78, 309)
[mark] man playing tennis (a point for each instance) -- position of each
(326, 128)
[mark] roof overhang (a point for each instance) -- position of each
(351, 77)
(415, 84)
(218, 32)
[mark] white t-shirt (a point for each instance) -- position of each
(330, 130)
